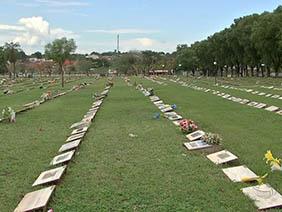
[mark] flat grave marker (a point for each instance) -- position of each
(75, 137)
(261, 105)
(62, 158)
(252, 104)
(79, 130)
(177, 123)
(237, 173)
(167, 109)
(268, 95)
(195, 135)
(272, 108)
(35, 200)
(79, 125)
(50, 176)
(69, 146)
(279, 112)
(154, 98)
(221, 157)
(194, 145)
(264, 196)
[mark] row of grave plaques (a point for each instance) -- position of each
(251, 91)
(39, 199)
(270, 108)
(264, 196)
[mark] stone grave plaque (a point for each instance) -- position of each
(261, 94)
(237, 173)
(195, 135)
(35, 200)
(62, 158)
(69, 146)
(264, 196)
(279, 112)
(167, 109)
(80, 125)
(275, 96)
(280, 98)
(177, 123)
(255, 92)
(163, 106)
(75, 137)
(175, 117)
(245, 101)
(260, 105)
(50, 176)
(79, 130)
(199, 144)
(221, 94)
(158, 102)
(154, 98)
(268, 95)
(97, 103)
(105, 92)
(252, 104)
(220, 157)
(272, 108)
(226, 96)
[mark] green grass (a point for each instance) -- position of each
(152, 172)
(28, 146)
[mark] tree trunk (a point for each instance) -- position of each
(221, 71)
(267, 71)
(62, 75)
(247, 71)
(262, 71)
(14, 70)
(252, 71)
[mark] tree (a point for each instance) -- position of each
(60, 50)
(12, 52)
(3, 61)
(37, 55)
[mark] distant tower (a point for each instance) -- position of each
(118, 43)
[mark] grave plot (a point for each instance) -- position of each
(62, 158)
(195, 145)
(196, 135)
(35, 200)
(221, 157)
(75, 137)
(264, 196)
(50, 176)
(79, 130)
(239, 173)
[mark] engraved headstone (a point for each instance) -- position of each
(35, 200)
(220, 157)
(238, 173)
(75, 137)
(50, 176)
(195, 135)
(62, 158)
(199, 144)
(264, 196)
(69, 146)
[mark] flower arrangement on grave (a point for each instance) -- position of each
(151, 91)
(212, 138)
(174, 106)
(187, 126)
(275, 163)
(9, 114)
(156, 115)
(46, 96)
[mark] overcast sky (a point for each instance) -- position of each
(142, 24)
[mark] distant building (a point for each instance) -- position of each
(93, 56)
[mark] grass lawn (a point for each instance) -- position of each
(28, 146)
(151, 172)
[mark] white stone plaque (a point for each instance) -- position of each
(272, 108)
(195, 135)
(154, 98)
(50, 176)
(237, 173)
(264, 196)
(279, 112)
(62, 158)
(260, 105)
(79, 130)
(35, 200)
(69, 146)
(167, 109)
(199, 144)
(75, 137)
(253, 104)
(223, 156)
(177, 123)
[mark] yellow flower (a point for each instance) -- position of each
(270, 159)
(261, 179)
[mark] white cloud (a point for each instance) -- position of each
(33, 32)
(62, 3)
(123, 31)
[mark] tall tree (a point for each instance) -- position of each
(12, 52)
(60, 50)
(3, 61)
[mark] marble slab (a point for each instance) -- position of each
(62, 158)
(80, 124)
(194, 145)
(253, 104)
(75, 137)
(35, 200)
(221, 157)
(237, 173)
(154, 98)
(195, 135)
(79, 130)
(177, 123)
(279, 112)
(69, 146)
(50, 176)
(167, 109)
(261, 105)
(264, 196)
(272, 108)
